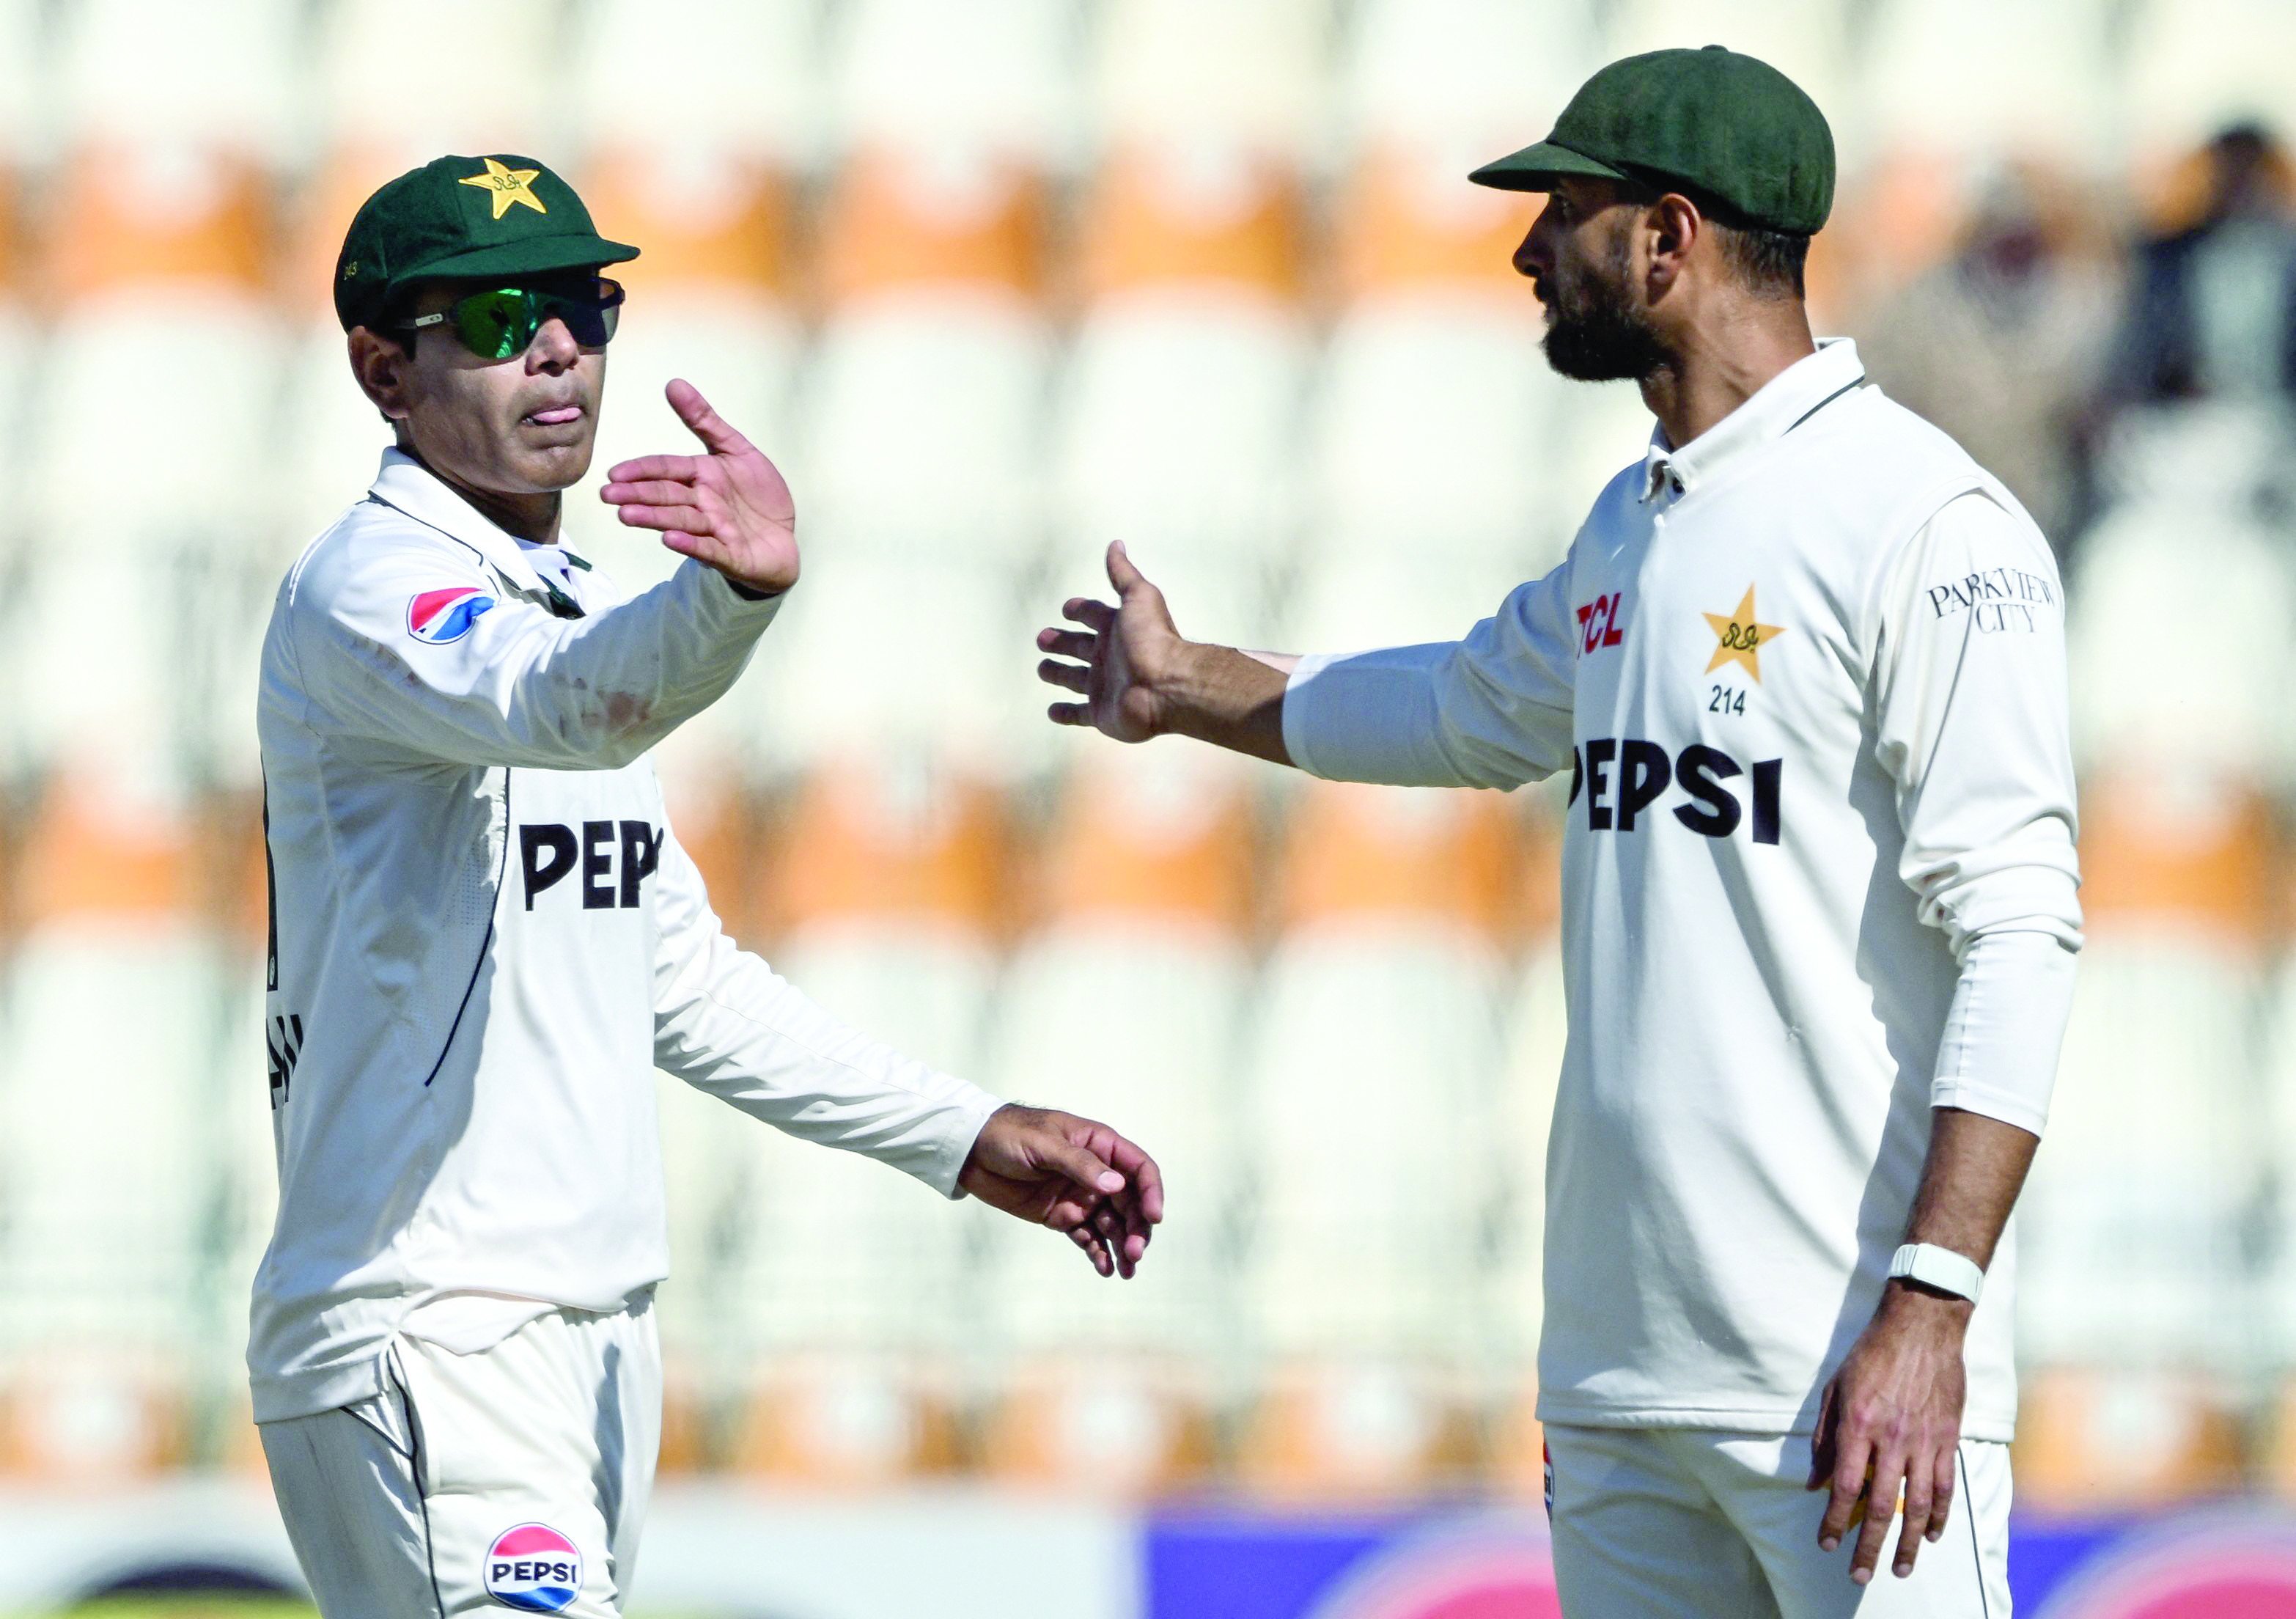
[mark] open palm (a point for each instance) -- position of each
(729, 508)
(1118, 656)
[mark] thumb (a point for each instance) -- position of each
(1121, 573)
(716, 434)
(1086, 1167)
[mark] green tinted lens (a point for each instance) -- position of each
(496, 324)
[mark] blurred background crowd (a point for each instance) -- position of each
(996, 283)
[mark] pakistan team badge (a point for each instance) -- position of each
(505, 186)
(1741, 637)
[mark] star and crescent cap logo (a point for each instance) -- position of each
(1740, 638)
(505, 186)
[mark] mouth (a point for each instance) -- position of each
(555, 415)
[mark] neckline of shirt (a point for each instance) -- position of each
(407, 484)
(1775, 409)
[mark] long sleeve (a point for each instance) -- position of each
(411, 645)
(1491, 710)
(2004, 1031)
(726, 1023)
(1969, 698)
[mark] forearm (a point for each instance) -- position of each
(1975, 1169)
(1229, 698)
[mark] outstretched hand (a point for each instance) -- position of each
(729, 508)
(1120, 655)
(1074, 1175)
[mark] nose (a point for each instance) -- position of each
(554, 348)
(1535, 255)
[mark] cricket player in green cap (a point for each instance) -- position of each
(485, 938)
(1805, 667)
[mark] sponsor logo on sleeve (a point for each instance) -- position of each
(1602, 622)
(533, 1567)
(440, 616)
(1999, 600)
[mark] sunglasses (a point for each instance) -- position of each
(499, 323)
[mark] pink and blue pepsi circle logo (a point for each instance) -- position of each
(440, 616)
(1494, 1569)
(2219, 1566)
(533, 1567)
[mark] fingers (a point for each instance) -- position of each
(1068, 676)
(677, 469)
(1094, 1250)
(1821, 1442)
(1920, 1478)
(1092, 616)
(1069, 713)
(1881, 1497)
(650, 491)
(715, 433)
(670, 519)
(1084, 1166)
(1942, 1491)
(1147, 1179)
(1851, 1451)
(1068, 644)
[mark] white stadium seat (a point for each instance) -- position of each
(749, 75)
(1375, 1053)
(224, 72)
(1968, 81)
(1188, 68)
(1177, 433)
(999, 74)
(1135, 1022)
(1484, 73)
(2192, 69)
(2215, 707)
(2151, 1163)
(1432, 432)
(835, 1251)
(488, 83)
(926, 413)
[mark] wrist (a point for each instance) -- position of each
(1904, 1299)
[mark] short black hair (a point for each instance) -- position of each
(1770, 262)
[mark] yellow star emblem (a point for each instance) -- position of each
(1741, 638)
(506, 186)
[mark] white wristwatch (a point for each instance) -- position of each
(1938, 1267)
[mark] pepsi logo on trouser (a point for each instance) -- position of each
(534, 1568)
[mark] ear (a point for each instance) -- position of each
(380, 364)
(1674, 226)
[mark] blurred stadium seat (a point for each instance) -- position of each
(751, 90)
(1017, 94)
(487, 81)
(1198, 70)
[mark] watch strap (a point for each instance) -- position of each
(1938, 1267)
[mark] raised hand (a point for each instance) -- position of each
(1119, 657)
(728, 507)
(1074, 1175)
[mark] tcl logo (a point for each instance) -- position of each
(1598, 622)
(616, 858)
(1621, 777)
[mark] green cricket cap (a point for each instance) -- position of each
(456, 218)
(1730, 129)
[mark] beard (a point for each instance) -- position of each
(1594, 334)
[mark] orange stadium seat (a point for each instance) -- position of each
(1370, 856)
(1163, 843)
(1410, 224)
(1193, 214)
(2092, 1441)
(1103, 1425)
(848, 1421)
(891, 842)
(1358, 1430)
(2161, 854)
(900, 220)
(140, 217)
(711, 222)
(84, 1419)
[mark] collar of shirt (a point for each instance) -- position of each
(1778, 406)
(406, 485)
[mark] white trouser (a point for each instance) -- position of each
(514, 1477)
(1677, 1522)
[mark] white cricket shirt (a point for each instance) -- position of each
(1807, 672)
(485, 938)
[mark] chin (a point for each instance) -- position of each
(546, 469)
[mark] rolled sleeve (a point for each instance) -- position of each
(1491, 710)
